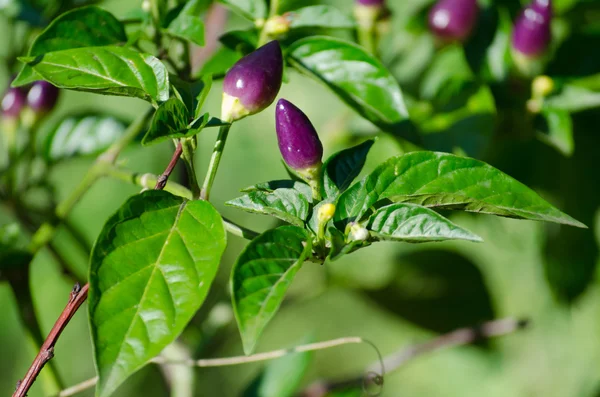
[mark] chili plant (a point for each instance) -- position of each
(155, 259)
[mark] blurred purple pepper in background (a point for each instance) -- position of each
(531, 34)
(298, 140)
(42, 96)
(376, 3)
(453, 20)
(253, 82)
(13, 102)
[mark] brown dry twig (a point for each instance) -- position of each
(76, 299)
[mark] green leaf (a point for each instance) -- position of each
(106, 70)
(150, 270)
(415, 224)
(343, 167)
(356, 76)
(187, 27)
(261, 276)
(13, 247)
(250, 9)
(573, 98)
(319, 16)
(82, 27)
(221, 61)
(203, 93)
(288, 205)
(559, 132)
(82, 135)
(442, 180)
(169, 121)
(271, 186)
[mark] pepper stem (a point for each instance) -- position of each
(313, 177)
(214, 161)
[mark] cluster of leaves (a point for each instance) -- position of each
(156, 257)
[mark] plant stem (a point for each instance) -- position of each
(164, 177)
(19, 281)
(46, 231)
(148, 181)
(188, 159)
(366, 38)
(264, 37)
(76, 299)
(239, 231)
(214, 161)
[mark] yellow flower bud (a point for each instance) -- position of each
(325, 213)
(542, 86)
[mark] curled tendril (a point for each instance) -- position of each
(372, 377)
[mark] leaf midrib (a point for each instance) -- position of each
(136, 314)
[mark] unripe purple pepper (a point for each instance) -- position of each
(13, 102)
(531, 34)
(299, 143)
(42, 96)
(453, 20)
(252, 83)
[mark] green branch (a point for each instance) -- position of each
(103, 163)
(213, 166)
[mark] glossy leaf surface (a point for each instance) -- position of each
(150, 271)
(261, 276)
(288, 205)
(82, 27)
(416, 224)
(188, 27)
(358, 78)
(169, 121)
(271, 186)
(342, 167)
(447, 181)
(106, 70)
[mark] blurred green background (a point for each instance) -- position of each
(392, 294)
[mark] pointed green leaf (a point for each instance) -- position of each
(447, 181)
(343, 167)
(356, 76)
(170, 121)
(88, 26)
(206, 81)
(573, 98)
(261, 276)
(319, 16)
(271, 186)
(251, 9)
(82, 135)
(288, 205)
(187, 27)
(150, 271)
(559, 131)
(415, 224)
(106, 70)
